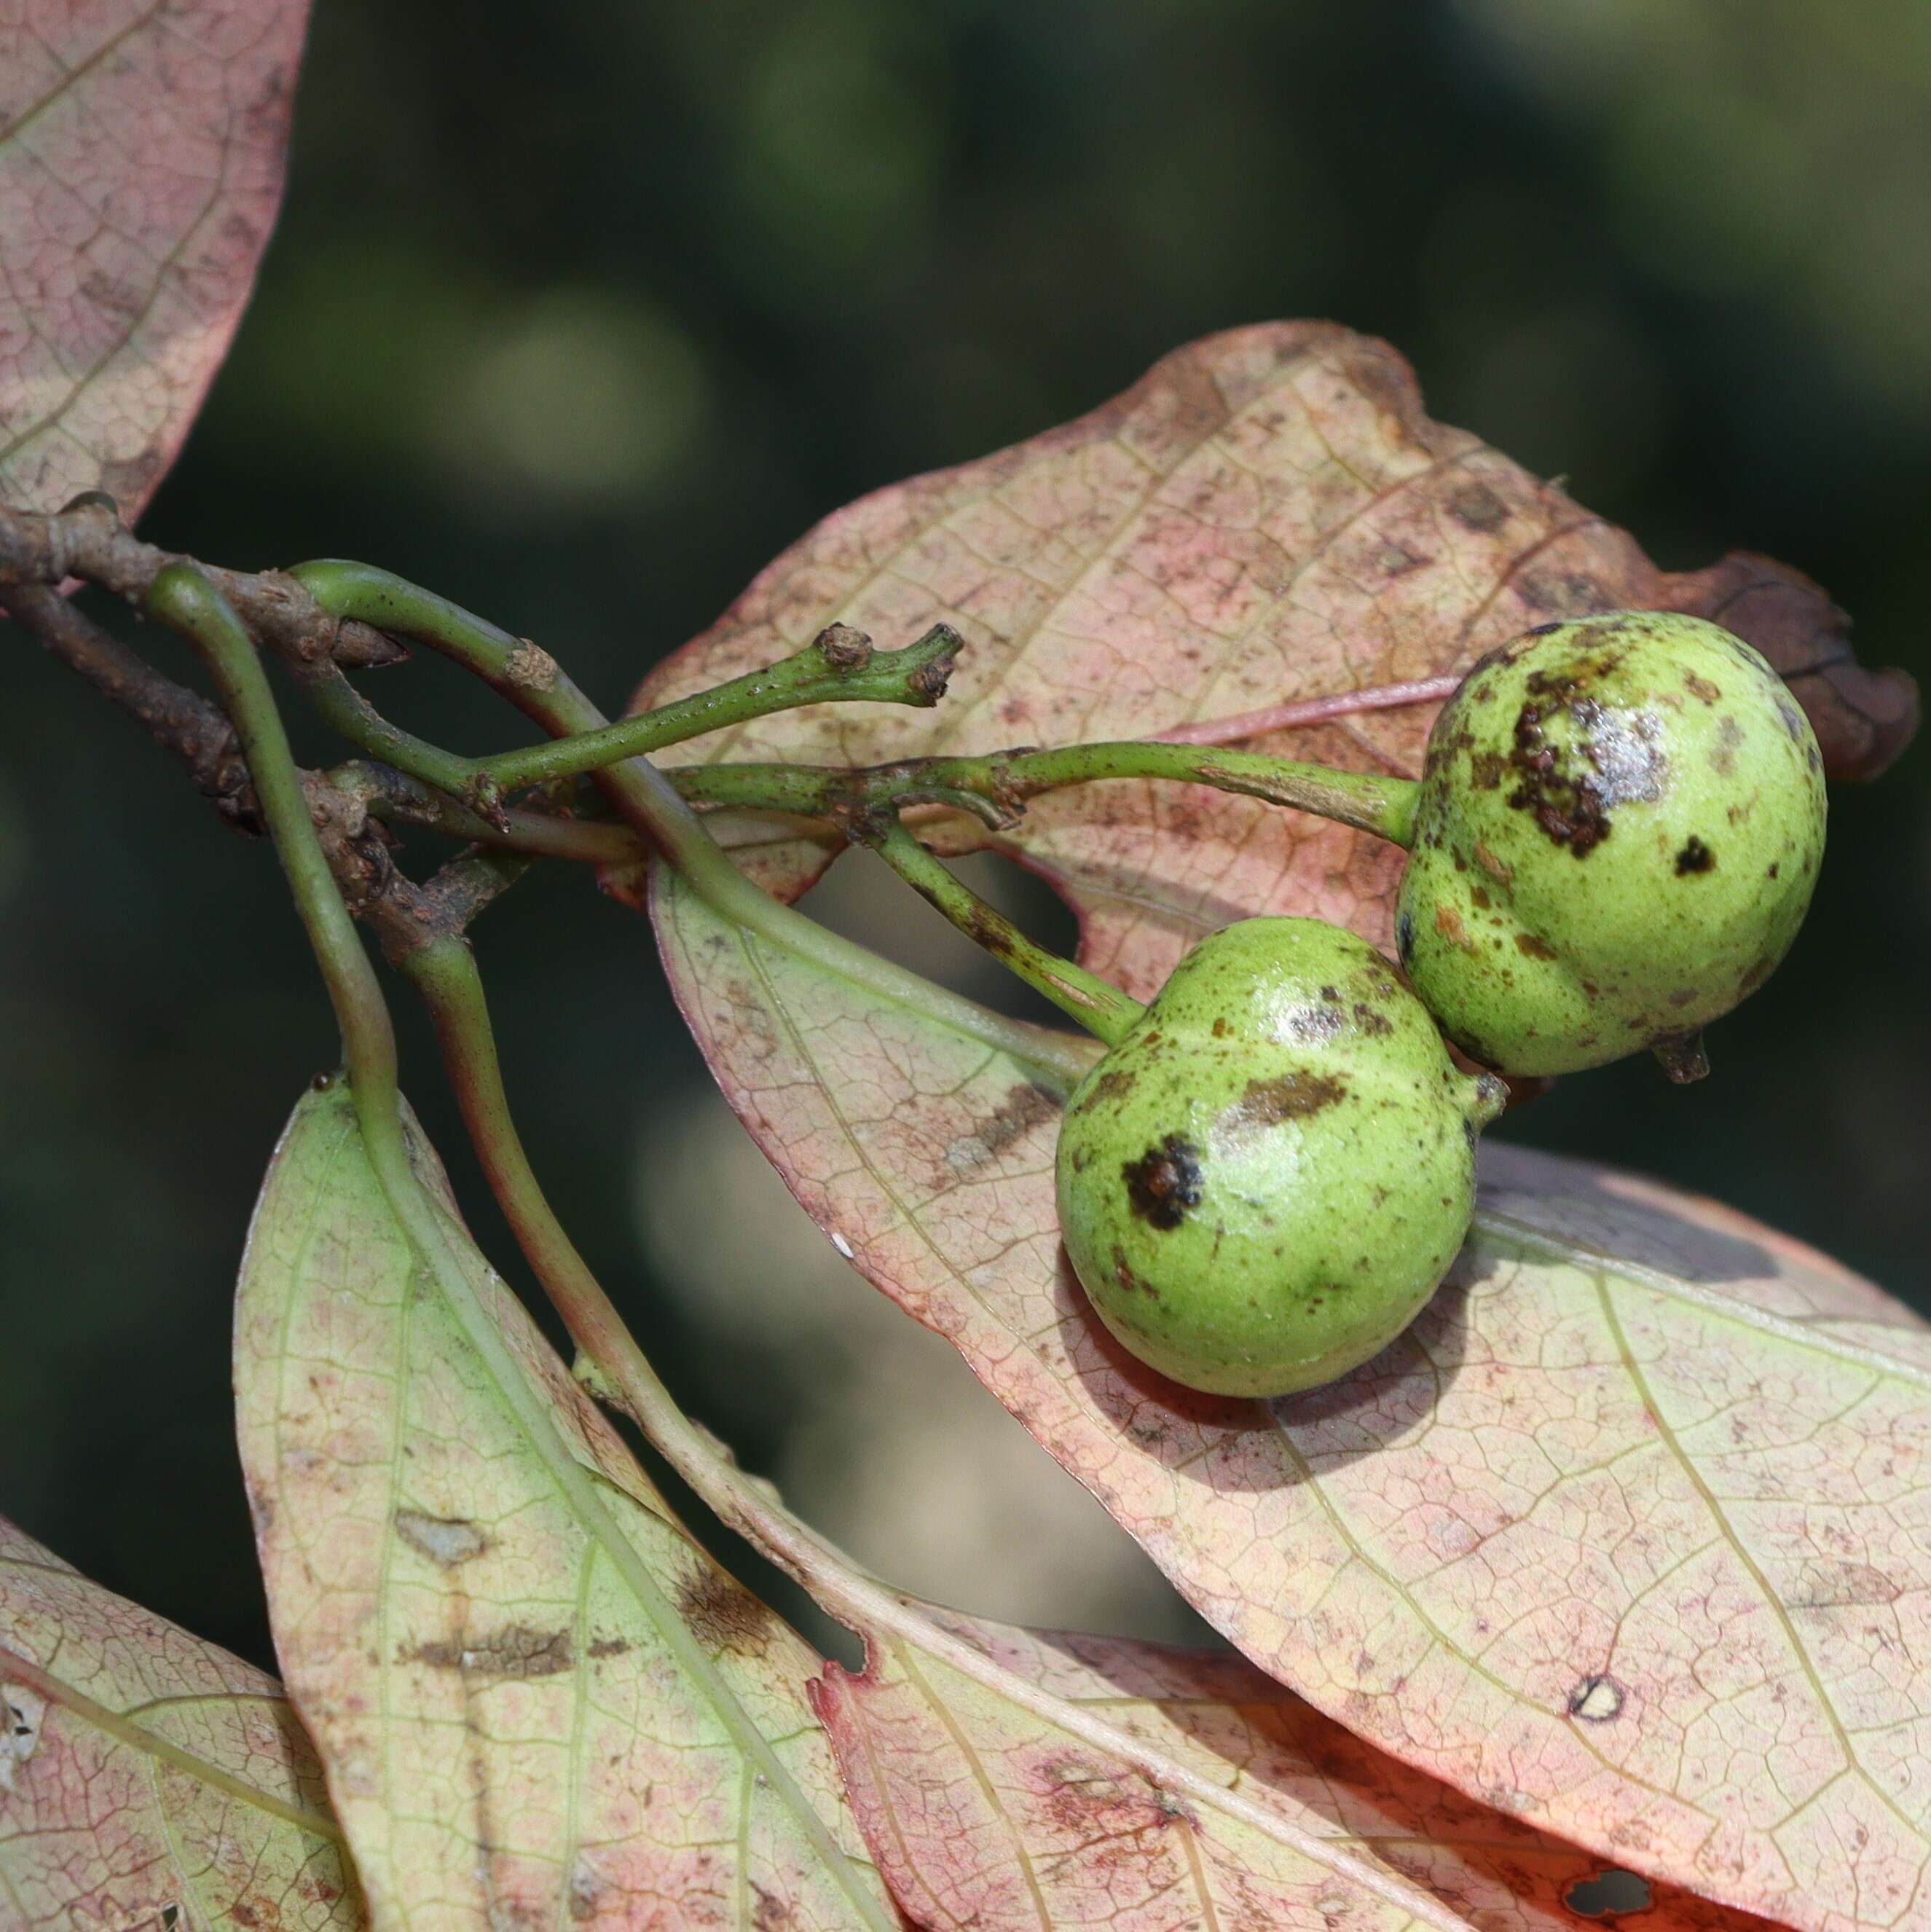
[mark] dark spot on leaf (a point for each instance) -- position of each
(1596, 1700)
(1165, 1184)
(514, 1651)
(721, 1613)
(610, 1646)
(1477, 507)
(1293, 1096)
(1695, 856)
(448, 1540)
(1024, 1107)
(769, 1912)
(1609, 1895)
(1831, 1586)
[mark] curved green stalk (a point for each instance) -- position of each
(1005, 780)
(181, 598)
(538, 686)
(836, 667)
(185, 600)
(1099, 1005)
(345, 709)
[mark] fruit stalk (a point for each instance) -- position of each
(1098, 1005)
(1006, 780)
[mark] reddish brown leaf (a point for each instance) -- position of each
(536, 1700)
(147, 1779)
(1629, 1536)
(142, 148)
(986, 1813)
(1268, 518)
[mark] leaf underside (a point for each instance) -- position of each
(1269, 518)
(143, 145)
(536, 1700)
(1008, 1815)
(1626, 1538)
(148, 1778)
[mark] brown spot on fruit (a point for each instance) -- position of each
(1164, 1185)
(1528, 944)
(1496, 868)
(1702, 687)
(1448, 923)
(1695, 857)
(1293, 1096)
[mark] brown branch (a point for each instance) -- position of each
(88, 539)
(180, 721)
(401, 913)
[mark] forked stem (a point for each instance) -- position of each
(538, 687)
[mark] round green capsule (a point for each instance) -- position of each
(1261, 1185)
(1620, 828)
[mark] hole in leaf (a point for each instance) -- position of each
(1608, 1894)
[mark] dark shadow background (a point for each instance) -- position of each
(583, 324)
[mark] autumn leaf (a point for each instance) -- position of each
(1624, 1538)
(142, 148)
(148, 1778)
(998, 1811)
(1261, 542)
(535, 1700)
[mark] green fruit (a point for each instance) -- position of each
(1261, 1184)
(1620, 826)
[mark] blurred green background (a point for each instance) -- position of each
(583, 322)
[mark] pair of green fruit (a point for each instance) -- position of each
(1618, 831)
